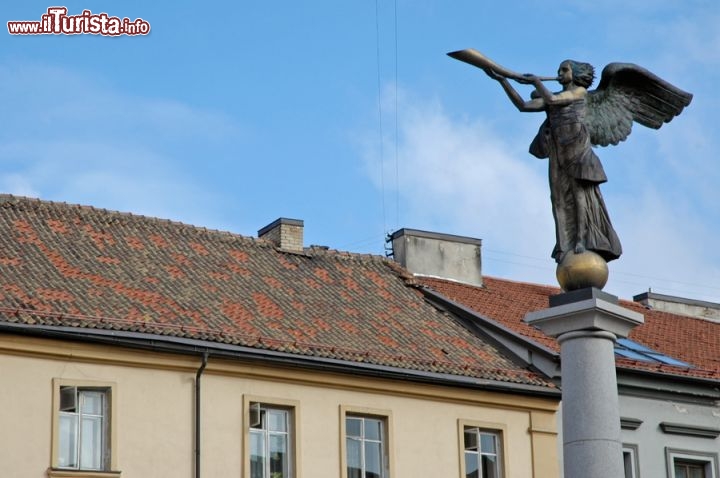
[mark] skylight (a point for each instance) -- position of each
(634, 351)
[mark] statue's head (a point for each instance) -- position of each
(583, 73)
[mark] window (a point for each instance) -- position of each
(83, 427)
(269, 442)
(366, 446)
(691, 464)
(271, 438)
(627, 348)
(365, 442)
(630, 461)
(481, 453)
(689, 469)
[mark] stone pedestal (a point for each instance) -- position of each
(586, 323)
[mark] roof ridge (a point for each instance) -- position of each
(519, 282)
(311, 251)
(337, 253)
(546, 287)
(75, 207)
(667, 314)
(407, 277)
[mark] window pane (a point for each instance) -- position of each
(471, 438)
(91, 444)
(68, 399)
(353, 427)
(697, 472)
(489, 466)
(471, 465)
(67, 446)
(277, 420)
(487, 443)
(354, 458)
(685, 469)
(373, 429)
(628, 464)
(257, 455)
(91, 403)
(373, 460)
(278, 456)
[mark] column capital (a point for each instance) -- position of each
(593, 313)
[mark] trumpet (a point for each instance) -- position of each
(475, 58)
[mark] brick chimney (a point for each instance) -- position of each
(438, 255)
(286, 234)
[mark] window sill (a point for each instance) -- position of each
(61, 473)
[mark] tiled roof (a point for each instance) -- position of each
(693, 341)
(78, 266)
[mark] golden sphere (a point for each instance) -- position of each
(578, 271)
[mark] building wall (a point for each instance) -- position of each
(154, 399)
(154, 428)
(652, 441)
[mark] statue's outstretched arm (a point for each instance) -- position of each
(532, 106)
(551, 98)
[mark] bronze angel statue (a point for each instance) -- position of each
(577, 120)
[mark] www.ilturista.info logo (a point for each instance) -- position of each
(57, 22)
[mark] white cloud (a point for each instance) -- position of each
(103, 174)
(77, 139)
(695, 40)
(460, 176)
(669, 247)
(17, 184)
(463, 176)
(662, 193)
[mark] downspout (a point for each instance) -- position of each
(197, 413)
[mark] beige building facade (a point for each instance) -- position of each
(150, 419)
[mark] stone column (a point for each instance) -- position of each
(586, 323)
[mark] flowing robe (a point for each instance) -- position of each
(575, 171)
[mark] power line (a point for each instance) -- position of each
(397, 140)
(380, 117)
(380, 121)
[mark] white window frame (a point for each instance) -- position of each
(708, 460)
(501, 434)
(385, 418)
(251, 406)
(497, 454)
(109, 432)
(631, 460)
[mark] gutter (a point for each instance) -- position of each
(672, 378)
(180, 345)
(197, 412)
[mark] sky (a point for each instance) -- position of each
(350, 116)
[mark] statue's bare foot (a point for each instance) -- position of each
(579, 248)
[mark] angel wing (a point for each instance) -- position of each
(628, 93)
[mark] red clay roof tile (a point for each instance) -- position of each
(161, 277)
(693, 341)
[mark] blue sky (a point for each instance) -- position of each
(350, 116)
